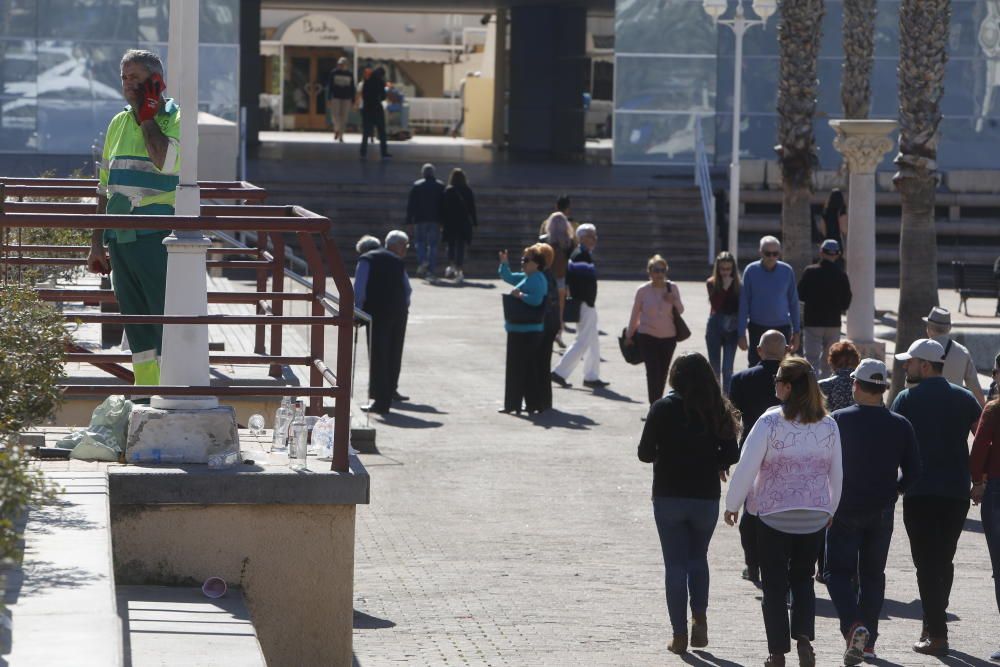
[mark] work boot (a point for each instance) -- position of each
(775, 660)
(699, 631)
(678, 645)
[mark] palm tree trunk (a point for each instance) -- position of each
(859, 49)
(923, 28)
(798, 39)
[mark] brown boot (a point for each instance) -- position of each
(699, 631)
(678, 645)
(775, 660)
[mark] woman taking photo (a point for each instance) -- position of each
(651, 326)
(720, 333)
(459, 217)
(549, 333)
(524, 336)
(790, 474)
(690, 438)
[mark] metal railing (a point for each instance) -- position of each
(703, 179)
(271, 224)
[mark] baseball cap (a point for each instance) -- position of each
(871, 370)
(831, 246)
(923, 348)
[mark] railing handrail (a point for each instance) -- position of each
(703, 178)
(87, 187)
(321, 256)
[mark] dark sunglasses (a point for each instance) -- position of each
(657, 269)
(528, 259)
(771, 253)
(777, 380)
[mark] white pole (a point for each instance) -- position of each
(185, 346)
(739, 27)
(281, 87)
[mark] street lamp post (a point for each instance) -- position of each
(739, 24)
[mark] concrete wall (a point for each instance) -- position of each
(295, 564)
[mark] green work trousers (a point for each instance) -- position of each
(139, 277)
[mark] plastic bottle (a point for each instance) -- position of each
(322, 438)
(282, 419)
(298, 443)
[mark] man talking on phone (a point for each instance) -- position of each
(139, 172)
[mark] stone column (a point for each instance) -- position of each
(863, 143)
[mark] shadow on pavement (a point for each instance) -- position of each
(890, 609)
(974, 526)
(465, 283)
(363, 621)
(959, 659)
(558, 419)
(406, 421)
(613, 396)
(406, 406)
(707, 660)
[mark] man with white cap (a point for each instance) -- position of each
(958, 364)
(934, 508)
(875, 444)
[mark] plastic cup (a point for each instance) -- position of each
(214, 587)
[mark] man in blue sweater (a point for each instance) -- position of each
(769, 299)
(876, 444)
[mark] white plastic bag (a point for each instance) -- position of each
(104, 439)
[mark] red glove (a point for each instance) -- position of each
(150, 98)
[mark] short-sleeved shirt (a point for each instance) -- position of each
(128, 177)
(942, 415)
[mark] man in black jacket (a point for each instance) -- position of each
(372, 113)
(826, 292)
(382, 289)
(581, 279)
(752, 393)
(424, 215)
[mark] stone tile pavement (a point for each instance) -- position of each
(498, 540)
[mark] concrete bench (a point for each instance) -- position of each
(179, 626)
(61, 601)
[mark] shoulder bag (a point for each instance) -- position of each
(683, 332)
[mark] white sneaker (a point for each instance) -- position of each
(449, 272)
(459, 276)
(421, 270)
(995, 656)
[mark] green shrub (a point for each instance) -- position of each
(32, 344)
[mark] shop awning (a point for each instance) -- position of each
(406, 53)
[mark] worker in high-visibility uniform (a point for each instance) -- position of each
(139, 172)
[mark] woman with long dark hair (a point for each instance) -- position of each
(459, 218)
(690, 438)
(720, 333)
(790, 475)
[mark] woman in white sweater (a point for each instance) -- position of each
(790, 474)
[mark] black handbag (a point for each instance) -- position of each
(683, 331)
(629, 351)
(516, 311)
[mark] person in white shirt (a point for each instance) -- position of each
(790, 475)
(958, 365)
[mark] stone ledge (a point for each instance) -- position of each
(261, 483)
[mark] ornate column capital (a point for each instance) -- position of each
(863, 143)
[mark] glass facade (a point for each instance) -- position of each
(674, 66)
(59, 66)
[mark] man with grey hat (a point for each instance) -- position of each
(825, 291)
(934, 508)
(875, 445)
(424, 215)
(340, 94)
(958, 365)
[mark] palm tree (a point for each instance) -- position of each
(923, 41)
(859, 48)
(798, 39)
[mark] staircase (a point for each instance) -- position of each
(632, 223)
(967, 230)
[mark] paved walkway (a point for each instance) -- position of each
(498, 540)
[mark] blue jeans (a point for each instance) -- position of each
(428, 234)
(991, 528)
(857, 544)
(685, 526)
(718, 339)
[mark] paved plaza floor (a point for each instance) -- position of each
(502, 540)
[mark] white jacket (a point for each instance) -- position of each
(787, 465)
